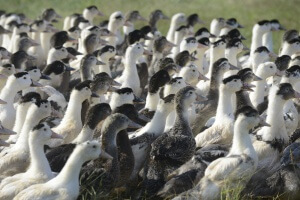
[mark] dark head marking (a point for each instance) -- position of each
(231, 78)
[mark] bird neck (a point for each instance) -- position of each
(85, 134)
(73, 111)
(225, 106)
(152, 100)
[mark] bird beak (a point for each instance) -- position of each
(68, 69)
(240, 26)
(127, 23)
(296, 94)
(102, 42)
(212, 36)
(146, 37)
(248, 87)
(147, 52)
(273, 55)
(200, 98)
(263, 122)
(282, 28)
(45, 77)
(115, 83)
(202, 77)
(243, 38)
(36, 84)
(3, 143)
(165, 17)
(7, 31)
(31, 57)
(2, 102)
(232, 67)
(34, 43)
(132, 124)
(71, 56)
(2, 76)
(111, 89)
(5, 131)
(138, 100)
(200, 21)
(70, 39)
(105, 155)
(143, 117)
(100, 63)
(32, 30)
(58, 16)
(111, 34)
(246, 48)
(141, 18)
(279, 73)
(256, 78)
(100, 13)
(170, 44)
(55, 135)
(94, 95)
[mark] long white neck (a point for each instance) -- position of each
(9, 92)
(152, 100)
(287, 50)
(114, 29)
(32, 118)
(85, 134)
(215, 54)
(225, 107)
(257, 96)
(38, 161)
(177, 40)
(275, 119)
(242, 143)
(69, 175)
(157, 124)
(267, 40)
(171, 32)
(45, 42)
(256, 39)
(73, 112)
(130, 70)
(231, 55)
(20, 117)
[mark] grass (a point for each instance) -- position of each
(248, 12)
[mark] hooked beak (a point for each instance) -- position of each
(132, 124)
(248, 87)
(262, 122)
(296, 94)
(111, 89)
(2, 102)
(232, 67)
(36, 84)
(147, 52)
(105, 155)
(94, 95)
(45, 77)
(68, 69)
(256, 78)
(202, 77)
(55, 135)
(100, 63)
(4, 144)
(138, 100)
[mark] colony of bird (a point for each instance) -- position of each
(106, 111)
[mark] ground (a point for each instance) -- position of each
(246, 11)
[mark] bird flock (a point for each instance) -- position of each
(109, 111)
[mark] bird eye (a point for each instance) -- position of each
(8, 68)
(46, 106)
(191, 92)
(271, 67)
(194, 70)
(34, 71)
(86, 88)
(179, 82)
(138, 47)
(127, 93)
(45, 129)
(25, 78)
(235, 80)
(94, 146)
